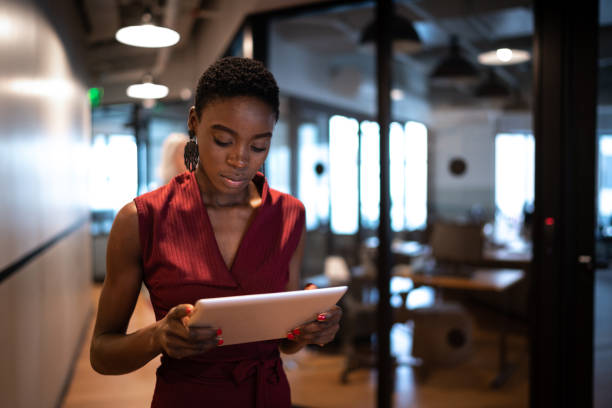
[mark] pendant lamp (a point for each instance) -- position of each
(147, 34)
(147, 89)
(504, 56)
(492, 87)
(454, 69)
(404, 37)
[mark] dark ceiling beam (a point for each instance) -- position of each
(458, 9)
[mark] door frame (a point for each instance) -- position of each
(561, 291)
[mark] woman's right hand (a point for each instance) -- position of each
(176, 339)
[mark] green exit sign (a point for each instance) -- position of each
(95, 96)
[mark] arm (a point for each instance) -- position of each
(113, 351)
(320, 332)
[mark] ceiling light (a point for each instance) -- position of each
(405, 38)
(492, 87)
(147, 90)
(454, 68)
(504, 56)
(147, 35)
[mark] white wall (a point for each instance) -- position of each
(44, 140)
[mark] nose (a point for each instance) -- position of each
(238, 157)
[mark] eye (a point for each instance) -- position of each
(258, 149)
(221, 143)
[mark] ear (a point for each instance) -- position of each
(193, 121)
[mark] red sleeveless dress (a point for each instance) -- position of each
(182, 263)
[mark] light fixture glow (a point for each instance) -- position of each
(397, 94)
(148, 36)
(504, 56)
(147, 90)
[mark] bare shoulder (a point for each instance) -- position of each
(124, 237)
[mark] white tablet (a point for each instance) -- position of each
(267, 316)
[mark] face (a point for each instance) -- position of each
(233, 137)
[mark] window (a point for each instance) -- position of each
(343, 173)
(313, 187)
(278, 162)
(114, 173)
(605, 184)
(514, 182)
(370, 174)
(408, 174)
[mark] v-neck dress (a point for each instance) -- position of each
(182, 263)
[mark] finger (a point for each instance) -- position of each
(295, 334)
(317, 333)
(333, 314)
(204, 333)
(180, 311)
(310, 286)
(178, 343)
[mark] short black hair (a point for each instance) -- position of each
(233, 76)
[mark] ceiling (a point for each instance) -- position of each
(207, 27)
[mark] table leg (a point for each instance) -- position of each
(505, 369)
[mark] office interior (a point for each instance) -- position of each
(462, 166)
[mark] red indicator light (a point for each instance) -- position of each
(549, 221)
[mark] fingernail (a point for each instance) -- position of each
(189, 308)
(290, 336)
(321, 317)
(219, 342)
(296, 332)
(219, 332)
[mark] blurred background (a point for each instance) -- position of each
(79, 138)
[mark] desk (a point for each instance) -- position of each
(506, 258)
(495, 280)
(512, 256)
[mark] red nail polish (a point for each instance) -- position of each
(290, 336)
(296, 332)
(189, 308)
(219, 342)
(321, 317)
(219, 332)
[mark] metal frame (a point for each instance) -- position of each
(561, 292)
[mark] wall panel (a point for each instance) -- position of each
(44, 142)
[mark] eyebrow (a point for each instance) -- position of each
(234, 133)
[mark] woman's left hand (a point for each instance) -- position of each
(321, 331)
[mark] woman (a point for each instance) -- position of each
(216, 231)
(172, 161)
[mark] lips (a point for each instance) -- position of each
(233, 181)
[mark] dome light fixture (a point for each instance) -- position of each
(504, 56)
(147, 90)
(147, 34)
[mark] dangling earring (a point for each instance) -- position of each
(191, 152)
